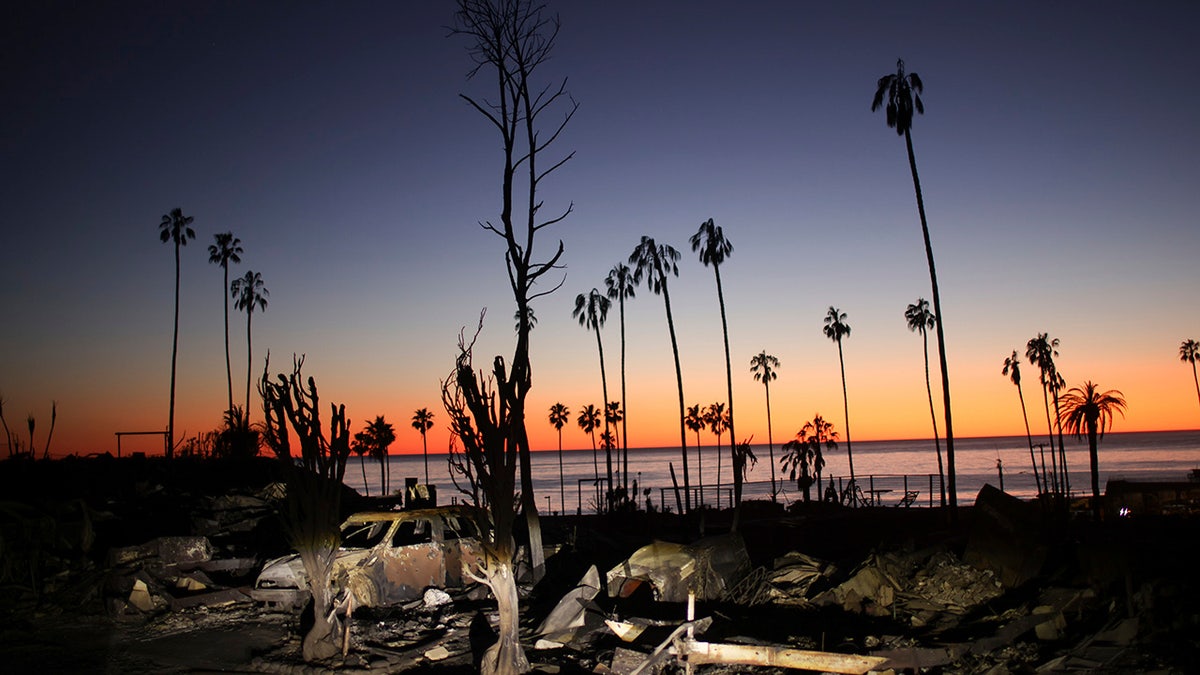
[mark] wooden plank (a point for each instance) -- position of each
(761, 655)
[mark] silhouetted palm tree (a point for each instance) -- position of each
(175, 227)
(227, 249)
(920, 320)
(763, 366)
(592, 312)
(558, 417)
(359, 448)
(1041, 351)
(249, 293)
(422, 421)
(1086, 410)
(1012, 368)
(821, 436)
(589, 419)
(7, 433)
(1189, 352)
(898, 90)
(377, 437)
(654, 262)
(612, 415)
(620, 285)
(718, 420)
(835, 329)
(710, 242)
(694, 419)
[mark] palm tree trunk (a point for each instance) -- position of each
(1094, 459)
(700, 468)
(604, 412)
(1062, 447)
(624, 407)
(562, 490)
(425, 451)
(1029, 436)
(170, 449)
(1050, 432)
(728, 379)
(770, 447)
(846, 410)
(941, 338)
(687, 486)
(228, 368)
(249, 363)
(362, 464)
(1196, 380)
(933, 415)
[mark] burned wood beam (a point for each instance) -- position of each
(761, 655)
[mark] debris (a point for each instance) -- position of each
(438, 653)
(435, 597)
(1006, 537)
(571, 613)
(709, 567)
(760, 655)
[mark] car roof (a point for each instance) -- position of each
(364, 517)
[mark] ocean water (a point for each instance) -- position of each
(891, 468)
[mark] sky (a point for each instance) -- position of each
(1057, 156)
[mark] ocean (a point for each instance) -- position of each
(886, 470)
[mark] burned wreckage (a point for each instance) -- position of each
(386, 558)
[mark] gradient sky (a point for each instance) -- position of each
(1057, 156)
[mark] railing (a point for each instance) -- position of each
(904, 490)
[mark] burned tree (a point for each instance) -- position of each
(510, 40)
(311, 516)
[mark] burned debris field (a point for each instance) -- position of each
(142, 566)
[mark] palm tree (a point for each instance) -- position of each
(710, 242)
(592, 312)
(1189, 352)
(227, 249)
(620, 285)
(612, 415)
(589, 420)
(835, 329)
(817, 434)
(377, 437)
(694, 419)
(359, 448)
(249, 293)
(763, 366)
(175, 227)
(1012, 368)
(920, 320)
(1087, 410)
(718, 420)
(558, 417)
(422, 421)
(899, 90)
(654, 262)
(1041, 351)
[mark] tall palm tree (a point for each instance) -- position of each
(358, 447)
(422, 421)
(763, 366)
(1086, 410)
(835, 329)
(1041, 352)
(226, 249)
(1189, 352)
(612, 415)
(558, 417)
(249, 293)
(1012, 368)
(694, 419)
(920, 320)
(592, 312)
(718, 420)
(898, 90)
(589, 420)
(620, 285)
(175, 227)
(710, 242)
(377, 437)
(654, 262)
(819, 434)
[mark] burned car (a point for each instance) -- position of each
(386, 557)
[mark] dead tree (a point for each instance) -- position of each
(312, 513)
(509, 41)
(483, 420)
